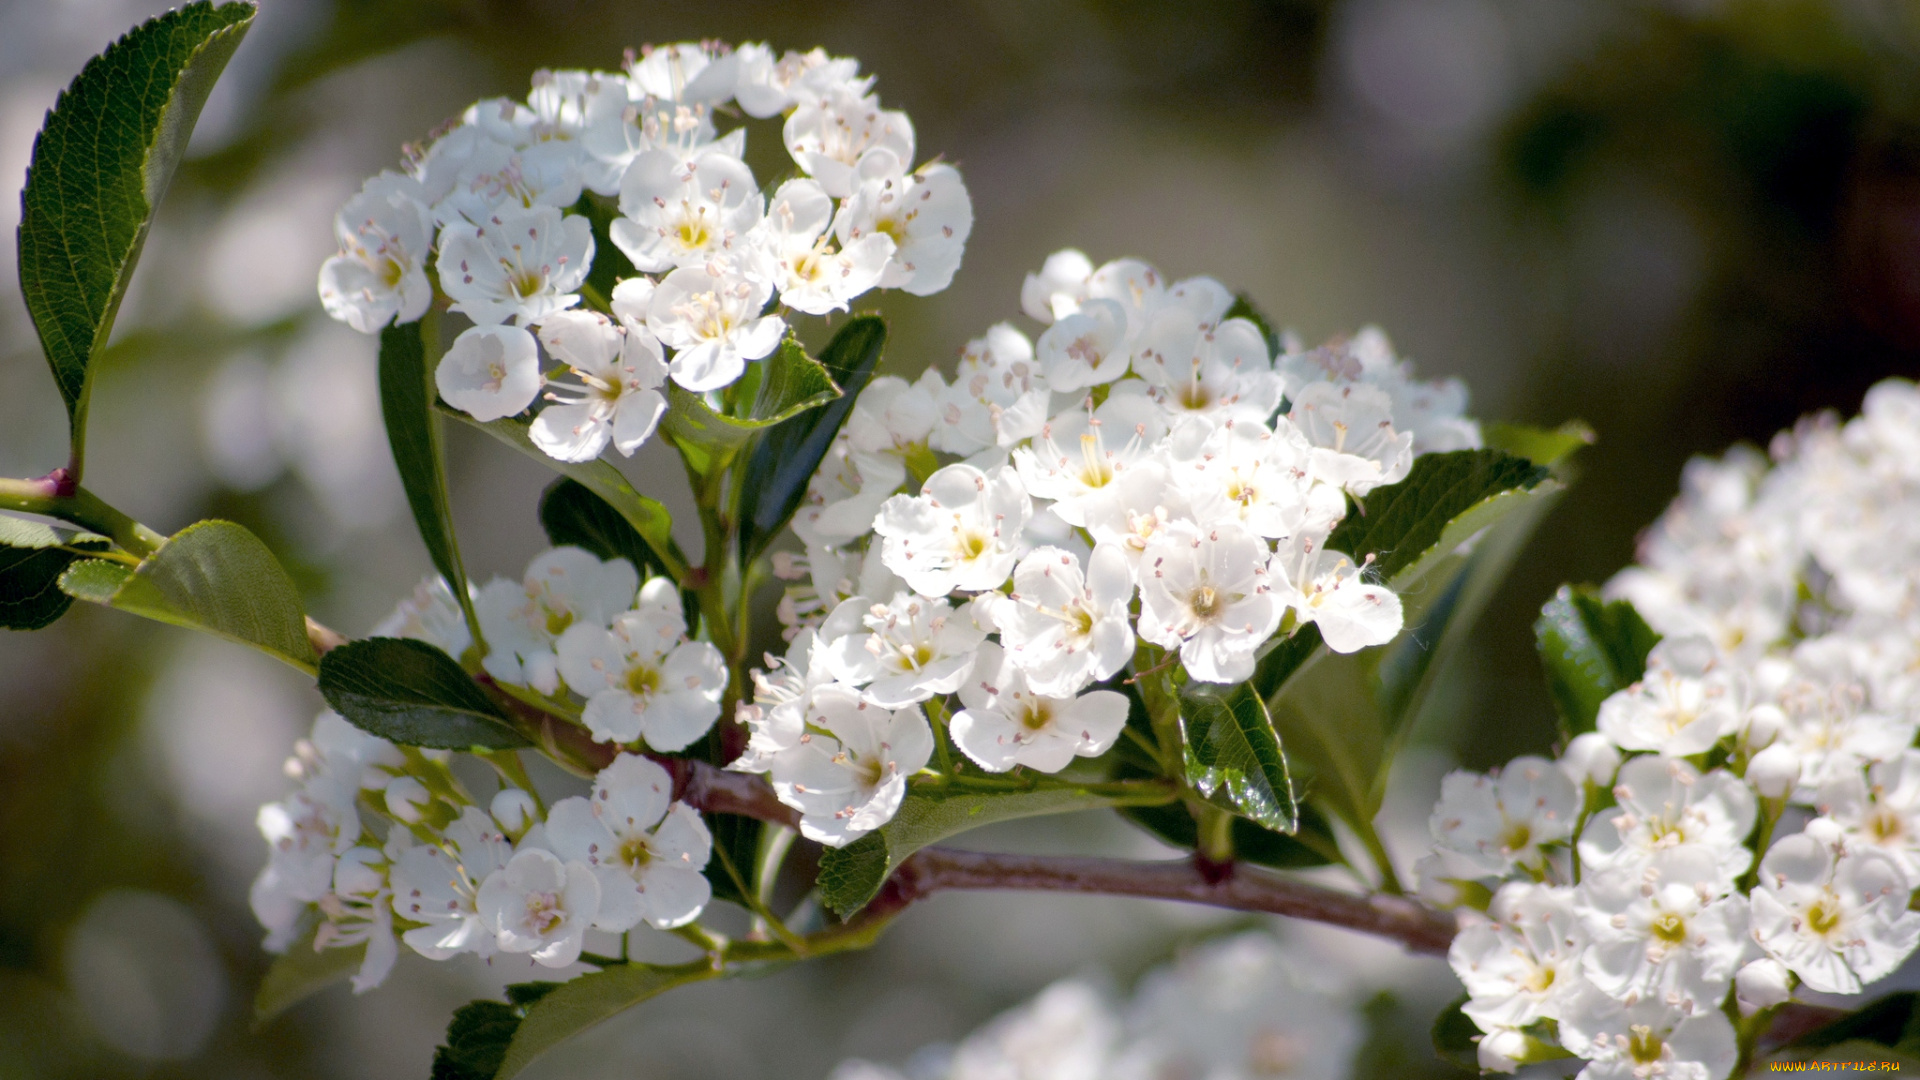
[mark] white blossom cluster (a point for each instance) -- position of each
(1777, 716)
(1238, 1009)
(1146, 470)
(484, 215)
(382, 842)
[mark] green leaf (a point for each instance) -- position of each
(1243, 308)
(31, 562)
(647, 516)
(413, 431)
(589, 1000)
(739, 837)
(1539, 445)
(1455, 1037)
(782, 386)
(1343, 718)
(572, 514)
(101, 164)
(851, 876)
(213, 576)
(411, 693)
(784, 460)
(301, 972)
(1591, 649)
(1233, 757)
(1891, 1021)
(477, 1041)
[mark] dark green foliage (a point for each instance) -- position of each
(1590, 649)
(413, 694)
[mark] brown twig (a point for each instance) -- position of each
(1419, 928)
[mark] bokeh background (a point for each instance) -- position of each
(1686, 222)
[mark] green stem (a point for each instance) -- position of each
(937, 719)
(602, 961)
(1377, 850)
(82, 508)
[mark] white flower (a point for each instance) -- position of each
(430, 615)
(1086, 347)
(1649, 1038)
(1682, 706)
(1666, 806)
(516, 263)
(782, 694)
(1495, 823)
(1351, 429)
(646, 850)
(619, 400)
(470, 176)
(998, 396)
(1060, 285)
(846, 492)
(358, 912)
(1239, 1009)
(1065, 628)
(380, 275)
(1665, 934)
(929, 216)
(439, 885)
(1880, 811)
(678, 213)
(1524, 964)
(961, 532)
(686, 72)
(1838, 923)
(845, 136)
(1007, 723)
(710, 316)
(810, 273)
(491, 372)
(1220, 369)
(640, 677)
(894, 416)
(768, 86)
(540, 905)
(1138, 506)
(1243, 470)
(1207, 594)
(1079, 455)
(306, 832)
(1325, 588)
(1065, 1033)
(902, 652)
(1834, 731)
(1775, 771)
(851, 779)
(523, 620)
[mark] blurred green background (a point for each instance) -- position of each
(1687, 222)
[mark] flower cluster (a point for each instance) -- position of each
(495, 214)
(382, 842)
(1236, 1009)
(1146, 472)
(1776, 718)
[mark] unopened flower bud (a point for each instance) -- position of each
(1764, 723)
(1503, 1050)
(1591, 758)
(1762, 984)
(1774, 771)
(515, 811)
(406, 799)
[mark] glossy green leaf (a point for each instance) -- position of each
(101, 164)
(572, 514)
(1243, 308)
(1442, 539)
(851, 876)
(783, 461)
(648, 518)
(213, 576)
(32, 558)
(301, 972)
(1590, 649)
(775, 389)
(413, 432)
(411, 693)
(1542, 446)
(587, 1001)
(1233, 759)
(1455, 1037)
